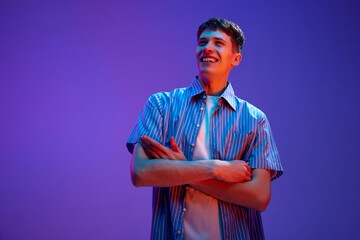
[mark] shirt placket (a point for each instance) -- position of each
(214, 132)
(197, 118)
(196, 122)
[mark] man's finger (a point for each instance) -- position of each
(160, 154)
(247, 166)
(155, 144)
(162, 151)
(150, 154)
(153, 152)
(149, 145)
(173, 145)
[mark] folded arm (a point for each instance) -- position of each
(166, 173)
(253, 194)
(229, 181)
(168, 168)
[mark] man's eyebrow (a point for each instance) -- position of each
(206, 38)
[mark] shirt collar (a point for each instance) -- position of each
(196, 89)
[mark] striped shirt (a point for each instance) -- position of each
(238, 130)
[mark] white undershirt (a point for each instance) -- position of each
(201, 218)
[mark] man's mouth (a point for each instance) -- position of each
(208, 59)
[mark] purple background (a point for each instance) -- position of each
(76, 74)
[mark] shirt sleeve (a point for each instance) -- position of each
(150, 123)
(264, 153)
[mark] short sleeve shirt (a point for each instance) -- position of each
(238, 131)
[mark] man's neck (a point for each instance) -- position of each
(213, 86)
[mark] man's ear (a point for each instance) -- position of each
(237, 59)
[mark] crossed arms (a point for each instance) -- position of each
(230, 181)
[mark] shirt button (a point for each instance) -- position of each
(204, 96)
(197, 125)
(202, 109)
(179, 232)
(184, 209)
(193, 145)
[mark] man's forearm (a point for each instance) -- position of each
(253, 194)
(165, 173)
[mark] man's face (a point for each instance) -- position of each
(215, 55)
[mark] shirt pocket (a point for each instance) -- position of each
(237, 146)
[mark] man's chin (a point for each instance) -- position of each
(207, 70)
(207, 74)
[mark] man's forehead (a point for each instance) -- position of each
(208, 33)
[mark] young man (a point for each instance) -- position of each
(209, 155)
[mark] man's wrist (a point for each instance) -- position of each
(215, 164)
(208, 166)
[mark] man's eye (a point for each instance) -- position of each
(219, 43)
(201, 43)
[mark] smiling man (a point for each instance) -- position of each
(209, 155)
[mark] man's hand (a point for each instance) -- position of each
(232, 171)
(154, 150)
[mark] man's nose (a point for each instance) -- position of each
(208, 49)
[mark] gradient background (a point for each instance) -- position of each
(76, 74)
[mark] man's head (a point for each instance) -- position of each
(230, 28)
(218, 49)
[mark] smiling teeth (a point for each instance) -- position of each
(209, 60)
